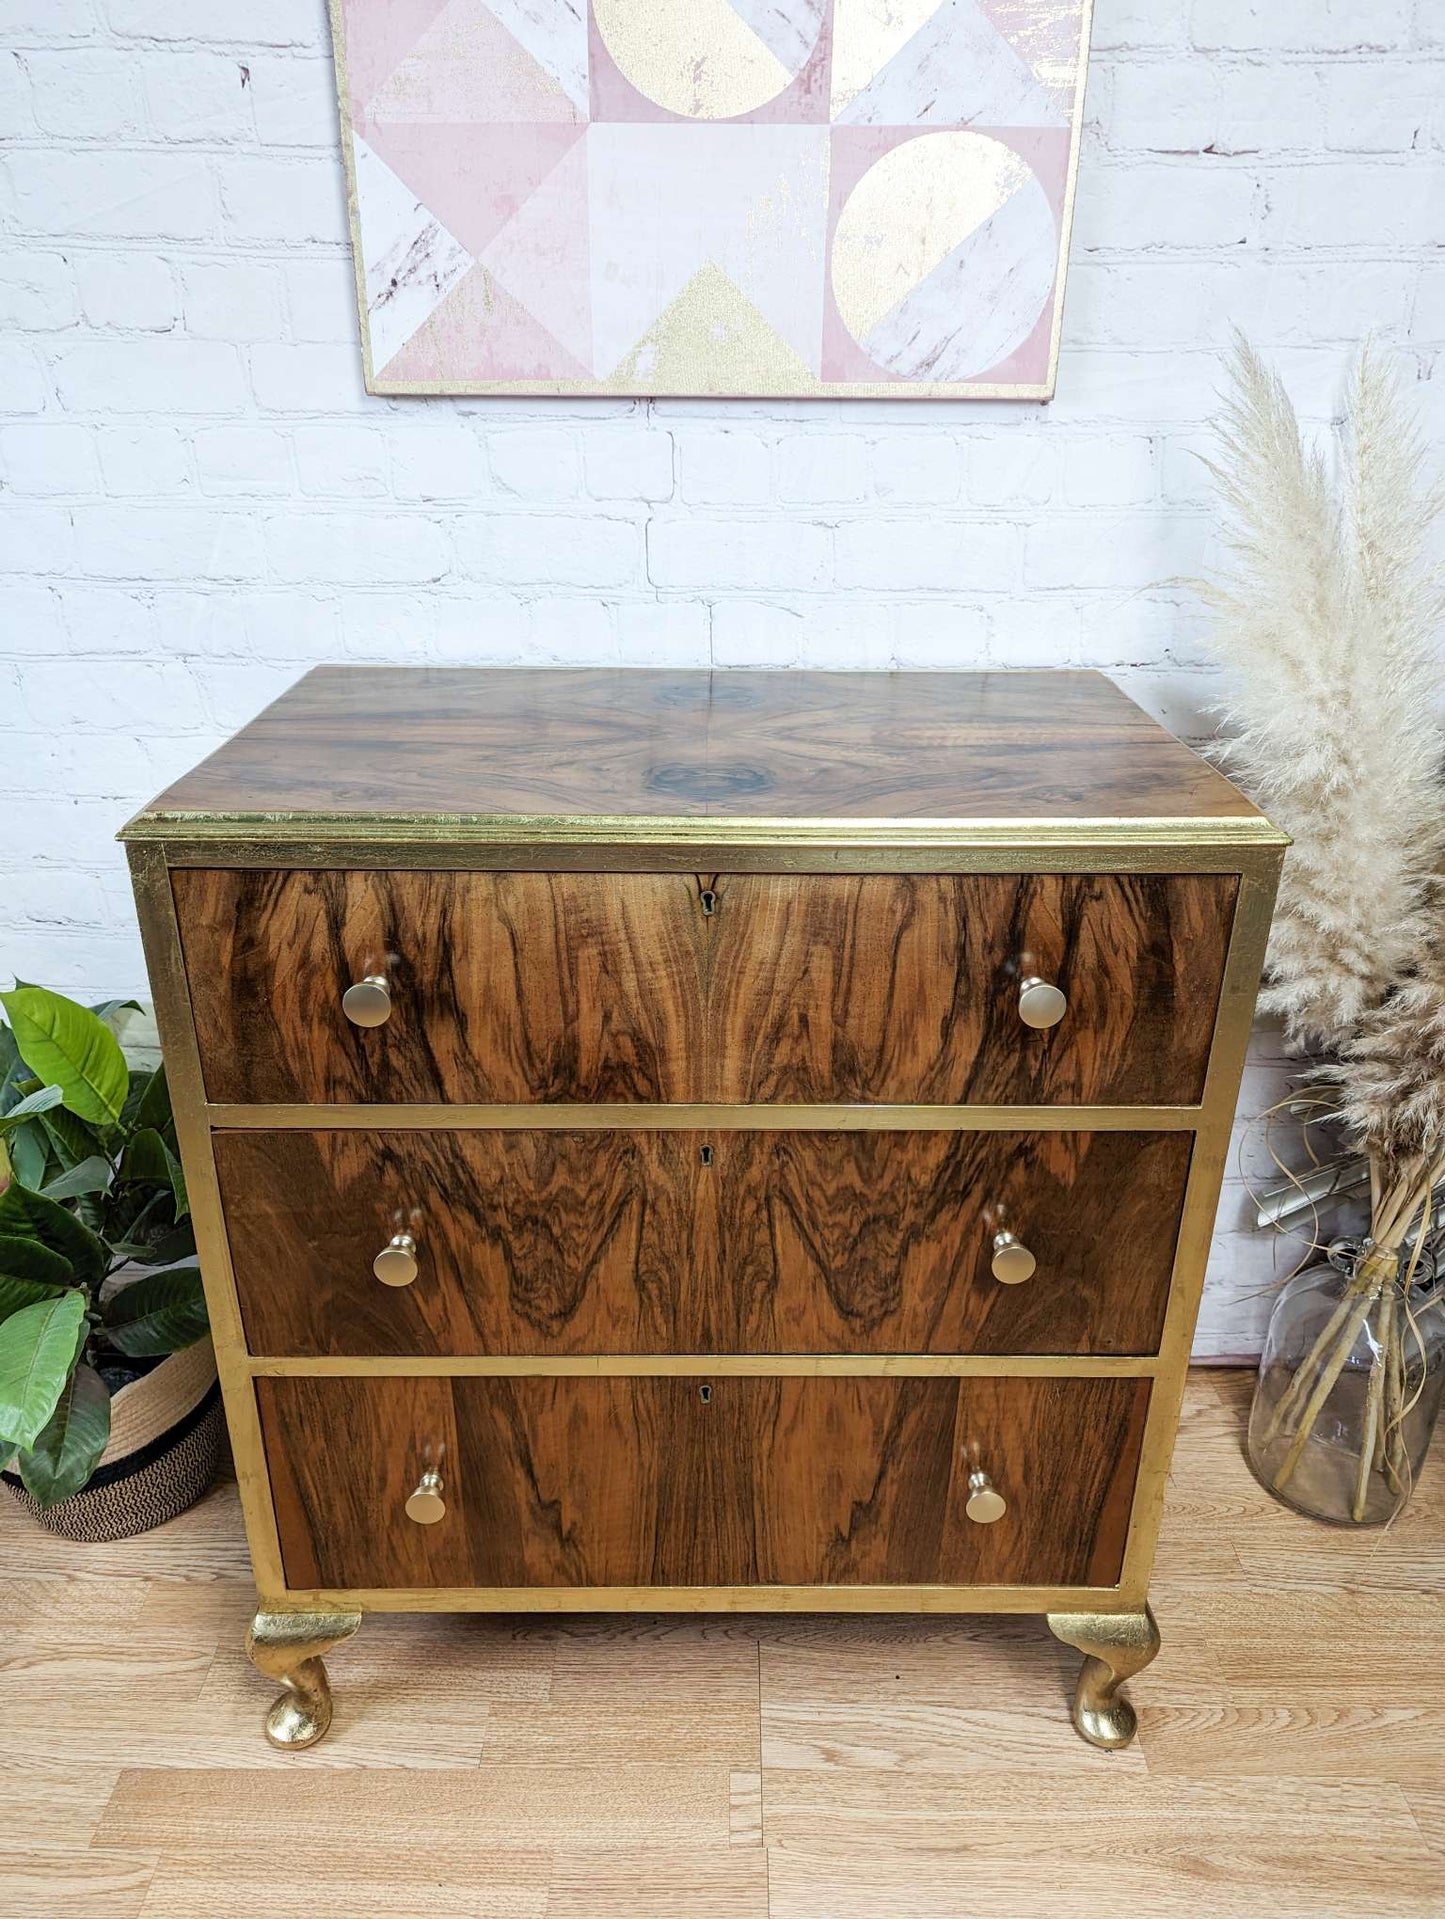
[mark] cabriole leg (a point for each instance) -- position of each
(1115, 1645)
(287, 1647)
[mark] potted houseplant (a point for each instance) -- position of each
(1330, 622)
(110, 1417)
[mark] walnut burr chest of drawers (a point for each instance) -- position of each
(703, 1141)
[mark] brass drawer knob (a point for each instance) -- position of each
(985, 1502)
(395, 1264)
(368, 1002)
(1012, 1261)
(426, 1505)
(1040, 1004)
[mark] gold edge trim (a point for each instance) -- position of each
(733, 1118)
(722, 1599)
(382, 388)
(708, 1366)
(342, 76)
(161, 940)
(1234, 1021)
(1144, 830)
(1066, 217)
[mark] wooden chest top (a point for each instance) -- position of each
(371, 747)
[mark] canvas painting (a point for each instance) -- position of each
(712, 197)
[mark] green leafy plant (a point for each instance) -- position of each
(97, 1253)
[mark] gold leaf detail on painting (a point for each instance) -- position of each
(908, 213)
(712, 339)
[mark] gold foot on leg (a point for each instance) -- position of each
(1116, 1645)
(287, 1646)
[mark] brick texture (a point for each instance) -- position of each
(200, 501)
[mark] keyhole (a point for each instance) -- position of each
(707, 899)
(704, 1393)
(705, 1155)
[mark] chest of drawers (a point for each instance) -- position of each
(703, 1141)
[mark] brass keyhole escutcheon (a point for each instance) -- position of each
(704, 1393)
(707, 900)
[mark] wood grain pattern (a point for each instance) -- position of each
(506, 987)
(578, 1482)
(677, 1242)
(905, 987)
(379, 742)
(518, 987)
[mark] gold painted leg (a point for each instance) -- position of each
(1116, 1645)
(287, 1647)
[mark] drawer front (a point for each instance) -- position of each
(551, 1243)
(562, 987)
(505, 986)
(689, 1481)
(905, 988)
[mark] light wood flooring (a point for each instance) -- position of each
(1291, 1761)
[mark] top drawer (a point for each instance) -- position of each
(522, 988)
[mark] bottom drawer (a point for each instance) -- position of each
(698, 1481)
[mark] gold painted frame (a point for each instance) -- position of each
(377, 385)
(1249, 847)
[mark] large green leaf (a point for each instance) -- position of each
(29, 1151)
(38, 1346)
(90, 1176)
(71, 1139)
(157, 1314)
(169, 1248)
(27, 1215)
(106, 1009)
(12, 1070)
(63, 1457)
(29, 1271)
(145, 1158)
(148, 1158)
(153, 1107)
(67, 1046)
(40, 1101)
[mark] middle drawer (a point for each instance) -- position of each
(549, 1243)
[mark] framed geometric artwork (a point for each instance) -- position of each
(711, 197)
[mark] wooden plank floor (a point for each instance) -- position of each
(1291, 1762)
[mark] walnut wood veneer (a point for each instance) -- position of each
(681, 1242)
(898, 988)
(685, 1140)
(703, 1482)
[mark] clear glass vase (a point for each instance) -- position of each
(1349, 1387)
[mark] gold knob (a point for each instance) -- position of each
(1012, 1261)
(368, 1003)
(395, 1264)
(1041, 1004)
(985, 1503)
(426, 1505)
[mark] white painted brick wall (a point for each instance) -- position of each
(199, 501)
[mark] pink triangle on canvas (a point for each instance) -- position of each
(543, 255)
(378, 39)
(480, 335)
(472, 177)
(466, 66)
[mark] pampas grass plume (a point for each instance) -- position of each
(1327, 620)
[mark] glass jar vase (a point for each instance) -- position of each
(1350, 1383)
